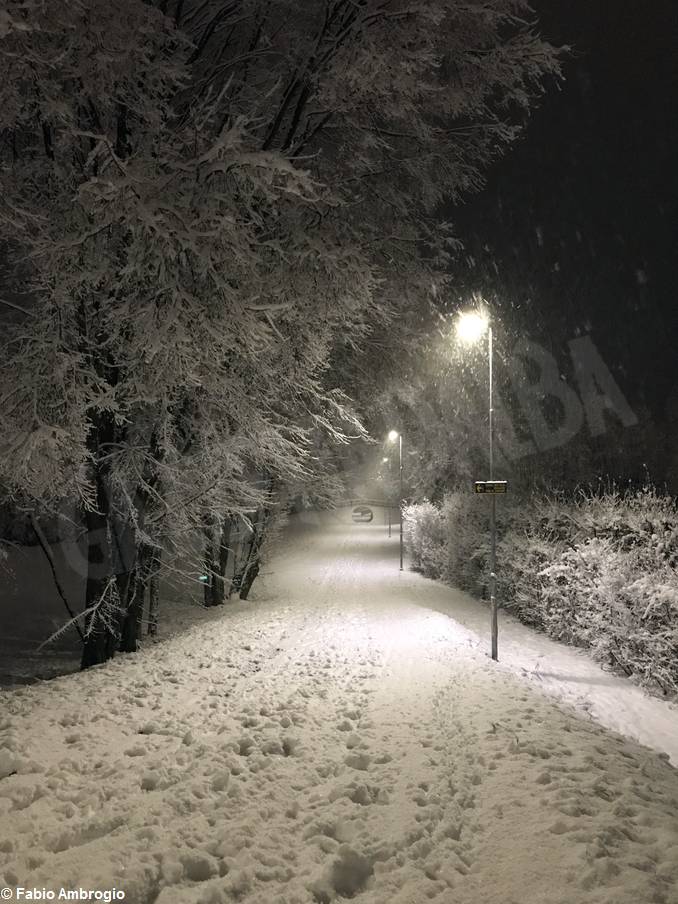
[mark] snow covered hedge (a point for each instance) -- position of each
(427, 538)
(597, 571)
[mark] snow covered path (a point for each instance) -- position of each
(339, 738)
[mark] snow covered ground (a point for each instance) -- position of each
(343, 735)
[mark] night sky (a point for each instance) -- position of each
(576, 231)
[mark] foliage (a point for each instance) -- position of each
(425, 534)
(206, 204)
(594, 570)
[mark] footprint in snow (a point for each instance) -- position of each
(245, 746)
(136, 750)
(359, 761)
(383, 759)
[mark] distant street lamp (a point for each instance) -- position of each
(470, 329)
(393, 436)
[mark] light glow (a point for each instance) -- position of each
(471, 326)
(393, 436)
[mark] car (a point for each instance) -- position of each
(362, 513)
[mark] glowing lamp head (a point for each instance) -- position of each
(471, 326)
(393, 436)
(384, 461)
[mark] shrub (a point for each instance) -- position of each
(467, 529)
(597, 571)
(425, 534)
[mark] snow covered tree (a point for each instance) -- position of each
(150, 370)
(399, 107)
(204, 203)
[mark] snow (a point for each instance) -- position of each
(342, 735)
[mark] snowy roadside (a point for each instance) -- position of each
(340, 737)
(563, 672)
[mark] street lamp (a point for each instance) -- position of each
(393, 436)
(470, 328)
(386, 461)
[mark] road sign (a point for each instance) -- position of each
(490, 487)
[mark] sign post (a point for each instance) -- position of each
(493, 515)
(400, 465)
(471, 327)
(492, 488)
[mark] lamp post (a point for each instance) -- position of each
(393, 436)
(470, 328)
(386, 461)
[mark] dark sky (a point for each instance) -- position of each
(577, 229)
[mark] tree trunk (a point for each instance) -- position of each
(241, 566)
(249, 573)
(140, 607)
(250, 576)
(101, 639)
(218, 583)
(131, 628)
(154, 592)
(209, 564)
(128, 639)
